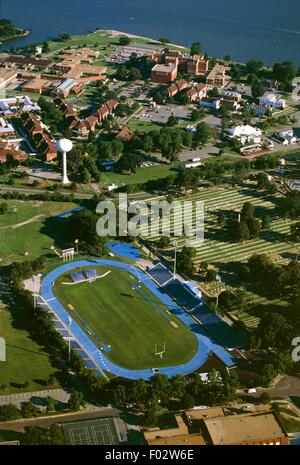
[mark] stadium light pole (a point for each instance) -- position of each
(219, 280)
(69, 339)
(77, 245)
(34, 290)
(175, 257)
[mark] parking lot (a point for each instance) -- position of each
(161, 115)
(122, 54)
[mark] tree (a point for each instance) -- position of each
(172, 121)
(161, 387)
(289, 205)
(284, 72)
(34, 435)
(243, 273)
(139, 391)
(56, 435)
(134, 74)
(45, 47)
(268, 374)
(230, 385)
(3, 208)
(213, 93)
(196, 115)
(196, 48)
(242, 232)
(295, 231)
(86, 177)
(257, 90)
(247, 211)
(187, 178)
(233, 301)
(266, 223)
(188, 402)
(262, 180)
(254, 226)
(124, 40)
(274, 330)
(76, 401)
(221, 221)
(178, 386)
(185, 260)
(9, 412)
(203, 133)
(29, 410)
(150, 418)
(147, 144)
(51, 404)
(119, 395)
(254, 66)
(164, 242)
(164, 40)
(64, 36)
(211, 275)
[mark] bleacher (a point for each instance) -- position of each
(224, 333)
(91, 273)
(161, 275)
(179, 292)
(77, 276)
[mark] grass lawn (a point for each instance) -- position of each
(143, 126)
(141, 176)
(37, 236)
(26, 360)
(124, 319)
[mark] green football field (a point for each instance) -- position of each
(125, 319)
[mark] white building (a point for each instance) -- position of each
(5, 127)
(9, 106)
(287, 137)
(212, 103)
(272, 100)
(231, 95)
(245, 134)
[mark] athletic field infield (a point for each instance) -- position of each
(130, 322)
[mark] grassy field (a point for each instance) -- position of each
(142, 126)
(27, 360)
(123, 318)
(141, 176)
(37, 234)
(100, 38)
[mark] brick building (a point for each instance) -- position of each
(164, 74)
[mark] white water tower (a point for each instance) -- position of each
(64, 146)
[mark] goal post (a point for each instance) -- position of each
(160, 351)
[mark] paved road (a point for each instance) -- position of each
(39, 191)
(45, 422)
(285, 387)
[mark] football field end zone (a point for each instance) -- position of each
(206, 344)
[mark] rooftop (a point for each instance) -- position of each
(237, 429)
(164, 68)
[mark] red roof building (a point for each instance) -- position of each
(125, 135)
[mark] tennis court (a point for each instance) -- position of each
(100, 432)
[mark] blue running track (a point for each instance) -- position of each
(68, 212)
(125, 250)
(207, 344)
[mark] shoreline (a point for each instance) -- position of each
(115, 33)
(25, 33)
